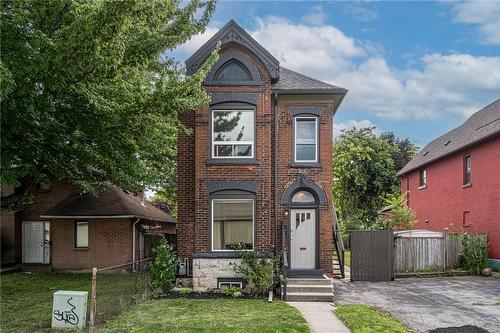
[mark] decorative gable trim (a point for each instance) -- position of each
(298, 110)
(233, 33)
(250, 98)
(251, 186)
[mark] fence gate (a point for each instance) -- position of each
(372, 255)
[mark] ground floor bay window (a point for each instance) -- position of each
(232, 224)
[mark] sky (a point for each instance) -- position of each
(417, 69)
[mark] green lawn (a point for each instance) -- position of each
(210, 315)
(26, 299)
(347, 257)
(363, 319)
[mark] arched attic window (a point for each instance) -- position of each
(233, 70)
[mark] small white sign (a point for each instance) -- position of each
(69, 309)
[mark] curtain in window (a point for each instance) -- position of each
(232, 224)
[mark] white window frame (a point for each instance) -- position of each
(315, 140)
(232, 284)
(212, 223)
(232, 143)
(422, 175)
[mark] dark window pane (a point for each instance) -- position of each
(223, 150)
(233, 71)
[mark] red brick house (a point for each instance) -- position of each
(454, 182)
(256, 169)
(64, 230)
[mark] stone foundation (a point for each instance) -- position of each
(207, 271)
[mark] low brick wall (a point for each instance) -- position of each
(206, 271)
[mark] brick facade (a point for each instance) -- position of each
(445, 204)
(194, 150)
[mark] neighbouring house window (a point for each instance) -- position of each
(306, 139)
(467, 170)
(81, 234)
(423, 178)
(232, 224)
(233, 133)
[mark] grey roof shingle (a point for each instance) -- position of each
(482, 125)
(291, 81)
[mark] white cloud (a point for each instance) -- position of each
(316, 17)
(438, 84)
(346, 125)
(485, 14)
(361, 11)
(197, 41)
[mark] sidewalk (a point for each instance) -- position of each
(320, 317)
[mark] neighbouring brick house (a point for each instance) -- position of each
(454, 181)
(256, 169)
(65, 230)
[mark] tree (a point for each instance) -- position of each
(406, 150)
(397, 215)
(89, 94)
(363, 175)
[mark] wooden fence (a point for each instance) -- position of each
(438, 252)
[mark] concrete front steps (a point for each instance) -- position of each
(309, 290)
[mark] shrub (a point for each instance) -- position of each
(164, 266)
(474, 253)
(263, 272)
(232, 291)
(185, 292)
(496, 269)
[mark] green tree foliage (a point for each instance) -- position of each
(397, 215)
(405, 151)
(364, 174)
(163, 268)
(89, 93)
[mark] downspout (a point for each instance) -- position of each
(275, 110)
(133, 244)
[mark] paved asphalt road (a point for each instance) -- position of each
(423, 304)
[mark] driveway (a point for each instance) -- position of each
(423, 304)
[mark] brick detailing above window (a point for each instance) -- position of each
(298, 110)
(250, 98)
(251, 186)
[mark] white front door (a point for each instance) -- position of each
(36, 240)
(303, 239)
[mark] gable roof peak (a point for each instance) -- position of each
(231, 32)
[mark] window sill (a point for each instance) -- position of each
(423, 187)
(81, 249)
(232, 161)
(305, 165)
(467, 185)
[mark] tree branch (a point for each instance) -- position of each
(19, 192)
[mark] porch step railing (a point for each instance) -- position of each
(337, 242)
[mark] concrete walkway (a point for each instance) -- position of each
(320, 317)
